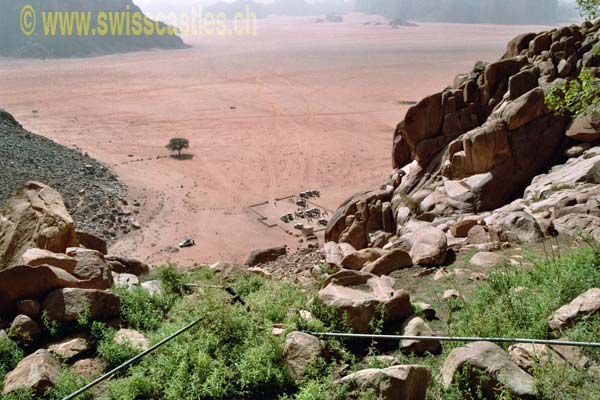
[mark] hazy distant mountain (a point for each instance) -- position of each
(98, 40)
(473, 11)
(280, 7)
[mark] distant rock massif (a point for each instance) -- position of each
(15, 43)
(484, 161)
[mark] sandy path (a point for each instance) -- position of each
(315, 107)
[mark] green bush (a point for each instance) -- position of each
(10, 355)
(141, 310)
(516, 302)
(114, 354)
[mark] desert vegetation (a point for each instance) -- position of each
(232, 353)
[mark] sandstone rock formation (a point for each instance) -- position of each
(418, 327)
(38, 372)
(406, 382)
(299, 351)
(34, 217)
(262, 256)
(66, 305)
(132, 338)
(481, 147)
(487, 367)
(360, 297)
(583, 306)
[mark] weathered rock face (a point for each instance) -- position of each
(24, 282)
(35, 257)
(527, 355)
(429, 247)
(34, 217)
(476, 146)
(132, 338)
(299, 351)
(401, 382)
(418, 327)
(361, 296)
(229, 270)
(585, 129)
(487, 367)
(24, 329)
(38, 372)
(92, 268)
(583, 306)
(66, 305)
(126, 265)
(91, 241)
(357, 260)
(394, 260)
(486, 259)
(265, 255)
(70, 348)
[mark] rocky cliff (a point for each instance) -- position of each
(487, 154)
(92, 192)
(38, 44)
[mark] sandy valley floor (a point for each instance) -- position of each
(299, 106)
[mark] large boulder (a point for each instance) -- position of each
(518, 44)
(358, 259)
(585, 128)
(38, 372)
(25, 282)
(393, 260)
(528, 355)
(418, 327)
(486, 368)
(400, 382)
(70, 348)
(91, 241)
(299, 350)
(429, 247)
(66, 305)
(35, 257)
(35, 216)
(92, 269)
(24, 329)
(486, 259)
(126, 265)
(578, 225)
(583, 306)
(262, 256)
(132, 338)
(337, 223)
(360, 297)
(516, 226)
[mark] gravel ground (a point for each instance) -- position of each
(92, 193)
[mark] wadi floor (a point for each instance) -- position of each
(300, 106)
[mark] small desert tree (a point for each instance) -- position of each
(580, 96)
(178, 144)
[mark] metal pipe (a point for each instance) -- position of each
(131, 361)
(455, 339)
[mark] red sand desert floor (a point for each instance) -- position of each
(300, 106)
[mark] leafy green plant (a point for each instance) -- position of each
(579, 96)
(10, 355)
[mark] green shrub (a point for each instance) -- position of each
(141, 310)
(10, 355)
(114, 354)
(516, 302)
(68, 383)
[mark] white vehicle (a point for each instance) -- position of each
(187, 242)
